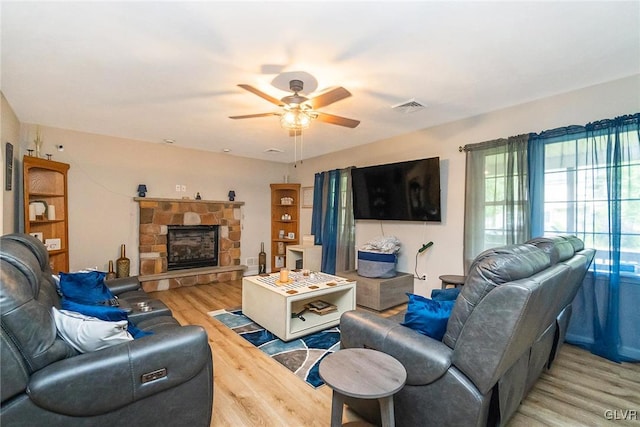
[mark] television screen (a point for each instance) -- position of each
(405, 191)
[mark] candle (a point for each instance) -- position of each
(284, 275)
(51, 213)
(32, 213)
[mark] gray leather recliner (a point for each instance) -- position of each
(162, 379)
(505, 329)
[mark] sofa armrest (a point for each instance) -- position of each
(424, 358)
(123, 284)
(106, 380)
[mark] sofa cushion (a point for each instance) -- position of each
(449, 294)
(30, 328)
(492, 268)
(85, 288)
(87, 333)
(558, 248)
(426, 316)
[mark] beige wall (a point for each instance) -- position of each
(9, 132)
(445, 257)
(105, 172)
(104, 175)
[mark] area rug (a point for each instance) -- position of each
(301, 356)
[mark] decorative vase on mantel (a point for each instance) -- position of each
(262, 260)
(110, 274)
(38, 143)
(123, 263)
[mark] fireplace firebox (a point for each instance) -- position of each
(191, 246)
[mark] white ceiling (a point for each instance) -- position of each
(168, 70)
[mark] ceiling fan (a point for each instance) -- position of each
(297, 110)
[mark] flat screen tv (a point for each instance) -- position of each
(404, 191)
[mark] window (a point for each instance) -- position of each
(582, 180)
(584, 194)
(498, 207)
(496, 196)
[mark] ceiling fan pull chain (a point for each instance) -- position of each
(295, 149)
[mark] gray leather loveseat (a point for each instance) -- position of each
(505, 329)
(162, 379)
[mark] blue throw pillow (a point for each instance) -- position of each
(427, 316)
(449, 294)
(104, 312)
(85, 288)
(137, 332)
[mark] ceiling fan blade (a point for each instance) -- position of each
(336, 120)
(329, 97)
(251, 116)
(262, 95)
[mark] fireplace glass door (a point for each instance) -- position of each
(191, 246)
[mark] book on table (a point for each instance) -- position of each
(320, 307)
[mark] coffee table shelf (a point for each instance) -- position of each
(273, 306)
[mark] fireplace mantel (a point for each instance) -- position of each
(159, 199)
(156, 214)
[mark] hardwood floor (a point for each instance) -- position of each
(251, 390)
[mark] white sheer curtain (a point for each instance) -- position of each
(345, 247)
(496, 195)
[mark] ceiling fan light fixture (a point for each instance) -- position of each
(295, 119)
(297, 111)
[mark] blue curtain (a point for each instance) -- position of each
(330, 226)
(536, 166)
(316, 214)
(599, 166)
(332, 220)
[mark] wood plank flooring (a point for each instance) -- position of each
(252, 390)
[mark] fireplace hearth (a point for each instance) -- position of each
(192, 246)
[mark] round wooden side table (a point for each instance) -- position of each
(451, 279)
(364, 374)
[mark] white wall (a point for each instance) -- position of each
(445, 256)
(104, 175)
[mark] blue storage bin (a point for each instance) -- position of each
(375, 264)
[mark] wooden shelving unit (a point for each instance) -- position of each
(45, 184)
(278, 209)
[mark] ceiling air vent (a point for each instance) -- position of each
(272, 150)
(410, 106)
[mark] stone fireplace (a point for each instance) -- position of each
(158, 216)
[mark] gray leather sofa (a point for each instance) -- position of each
(505, 329)
(161, 379)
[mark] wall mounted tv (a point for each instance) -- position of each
(404, 191)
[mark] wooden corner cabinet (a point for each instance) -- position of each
(285, 222)
(45, 207)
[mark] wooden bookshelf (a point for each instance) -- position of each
(45, 185)
(288, 224)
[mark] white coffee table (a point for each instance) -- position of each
(272, 306)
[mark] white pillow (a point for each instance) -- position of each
(86, 333)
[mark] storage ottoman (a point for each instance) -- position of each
(376, 264)
(378, 293)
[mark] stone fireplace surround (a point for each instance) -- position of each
(156, 214)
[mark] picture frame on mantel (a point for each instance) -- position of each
(307, 197)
